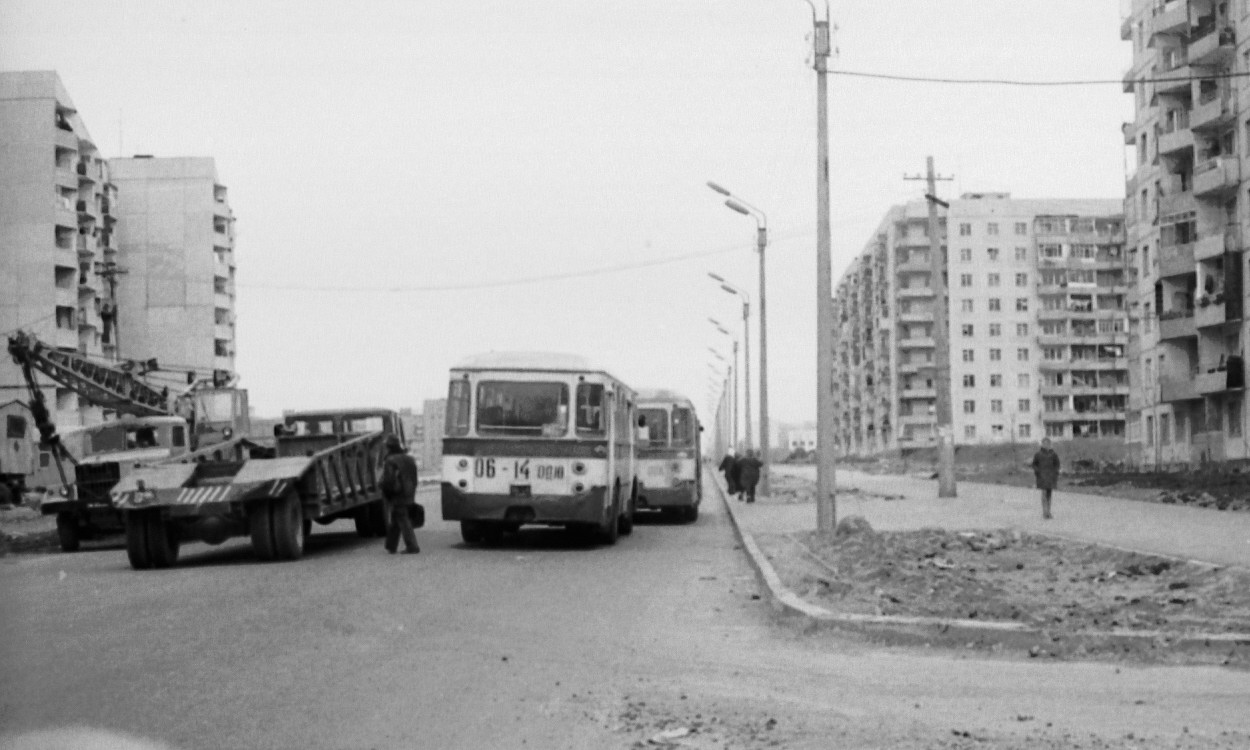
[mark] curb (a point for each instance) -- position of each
(927, 630)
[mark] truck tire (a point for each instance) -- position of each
(67, 532)
(259, 523)
(470, 532)
(137, 540)
(287, 524)
(378, 520)
(364, 522)
(162, 541)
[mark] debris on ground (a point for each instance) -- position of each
(786, 489)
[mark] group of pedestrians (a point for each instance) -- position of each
(742, 474)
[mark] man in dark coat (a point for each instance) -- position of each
(749, 474)
(399, 486)
(1046, 470)
(729, 467)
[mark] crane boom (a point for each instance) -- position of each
(108, 387)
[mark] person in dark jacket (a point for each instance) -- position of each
(749, 474)
(1046, 470)
(729, 467)
(399, 487)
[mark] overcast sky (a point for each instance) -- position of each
(373, 150)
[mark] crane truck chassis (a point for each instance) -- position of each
(217, 493)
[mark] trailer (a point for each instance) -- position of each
(326, 467)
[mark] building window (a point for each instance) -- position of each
(996, 304)
(1022, 355)
(966, 330)
(970, 381)
(970, 431)
(970, 407)
(965, 254)
(991, 228)
(967, 355)
(1022, 304)
(1150, 430)
(996, 355)
(1024, 430)
(1022, 279)
(996, 430)
(996, 406)
(965, 279)
(1022, 329)
(1023, 405)
(965, 230)
(1234, 417)
(1022, 380)
(966, 305)
(1165, 429)
(995, 279)
(992, 253)
(1022, 253)
(996, 381)
(1022, 228)
(1055, 430)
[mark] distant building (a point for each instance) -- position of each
(433, 413)
(795, 438)
(176, 238)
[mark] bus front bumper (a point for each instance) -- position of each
(584, 507)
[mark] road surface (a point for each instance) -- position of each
(539, 643)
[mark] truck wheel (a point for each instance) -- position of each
(67, 532)
(364, 522)
(162, 541)
(137, 540)
(287, 516)
(626, 523)
(259, 523)
(378, 518)
(470, 532)
(492, 533)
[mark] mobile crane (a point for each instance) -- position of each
(209, 413)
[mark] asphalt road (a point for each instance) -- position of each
(540, 643)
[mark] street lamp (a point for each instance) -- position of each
(733, 374)
(746, 339)
(741, 206)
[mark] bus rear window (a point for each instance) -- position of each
(657, 426)
(590, 417)
(522, 409)
(683, 427)
(457, 422)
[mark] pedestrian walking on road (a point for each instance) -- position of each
(1046, 469)
(399, 487)
(749, 474)
(729, 467)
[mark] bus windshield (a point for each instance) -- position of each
(657, 427)
(522, 409)
(683, 427)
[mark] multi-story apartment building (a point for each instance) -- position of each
(176, 240)
(1186, 222)
(1038, 304)
(58, 245)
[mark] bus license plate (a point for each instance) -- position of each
(519, 490)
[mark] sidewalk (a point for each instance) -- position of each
(1211, 536)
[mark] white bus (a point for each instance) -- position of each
(669, 470)
(534, 438)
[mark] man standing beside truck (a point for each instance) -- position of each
(399, 487)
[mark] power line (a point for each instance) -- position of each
(1021, 82)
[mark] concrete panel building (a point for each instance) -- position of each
(58, 247)
(1187, 220)
(176, 242)
(1037, 326)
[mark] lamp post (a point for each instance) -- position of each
(761, 242)
(733, 373)
(746, 339)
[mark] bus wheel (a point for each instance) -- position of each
(610, 530)
(288, 527)
(261, 526)
(626, 523)
(492, 533)
(692, 514)
(162, 541)
(137, 540)
(378, 521)
(470, 532)
(67, 532)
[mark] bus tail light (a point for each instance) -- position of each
(579, 468)
(579, 487)
(462, 464)
(463, 483)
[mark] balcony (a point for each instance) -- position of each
(1177, 325)
(65, 139)
(915, 443)
(916, 317)
(1216, 178)
(65, 338)
(223, 300)
(1175, 80)
(928, 394)
(223, 363)
(1130, 137)
(1126, 28)
(223, 332)
(1176, 203)
(917, 342)
(916, 419)
(1211, 45)
(1211, 314)
(914, 266)
(1210, 246)
(1211, 382)
(1213, 111)
(915, 292)
(1177, 136)
(1170, 18)
(1176, 260)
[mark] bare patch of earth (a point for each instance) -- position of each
(792, 490)
(1072, 592)
(23, 528)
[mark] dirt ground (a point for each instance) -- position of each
(1073, 592)
(23, 528)
(1213, 488)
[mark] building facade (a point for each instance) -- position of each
(176, 242)
(1186, 225)
(1038, 307)
(58, 244)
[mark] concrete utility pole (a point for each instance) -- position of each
(826, 481)
(941, 341)
(109, 271)
(746, 343)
